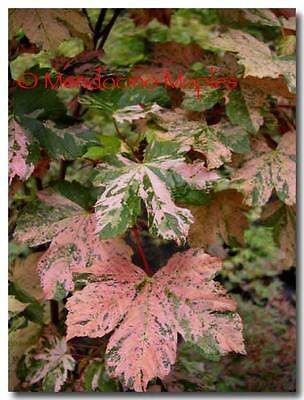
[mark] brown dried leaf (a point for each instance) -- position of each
(142, 16)
(25, 275)
(86, 59)
(275, 87)
(170, 57)
(223, 218)
(48, 27)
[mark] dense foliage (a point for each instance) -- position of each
(152, 173)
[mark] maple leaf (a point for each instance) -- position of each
(216, 221)
(132, 113)
(147, 314)
(282, 219)
(206, 100)
(24, 275)
(95, 378)
(51, 362)
(49, 27)
(256, 57)
(15, 306)
(169, 57)
(60, 143)
(245, 107)
(268, 170)
(18, 153)
(74, 244)
(261, 16)
(127, 182)
(275, 87)
(215, 142)
(19, 341)
(268, 17)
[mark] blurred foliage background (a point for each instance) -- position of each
(255, 272)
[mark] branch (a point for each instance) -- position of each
(84, 10)
(141, 252)
(106, 31)
(98, 26)
(63, 168)
(54, 309)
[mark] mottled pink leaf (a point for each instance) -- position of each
(147, 314)
(18, 152)
(196, 174)
(74, 243)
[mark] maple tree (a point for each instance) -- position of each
(135, 210)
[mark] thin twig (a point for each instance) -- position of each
(88, 18)
(285, 106)
(141, 251)
(54, 309)
(98, 26)
(86, 346)
(106, 31)
(63, 168)
(38, 182)
(290, 124)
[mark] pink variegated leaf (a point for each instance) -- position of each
(74, 244)
(49, 362)
(196, 174)
(147, 314)
(18, 152)
(100, 306)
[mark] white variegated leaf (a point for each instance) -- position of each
(54, 363)
(130, 182)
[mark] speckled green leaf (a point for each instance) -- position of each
(242, 112)
(18, 342)
(283, 221)
(66, 144)
(234, 137)
(45, 102)
(97, 379)
(207, 99)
